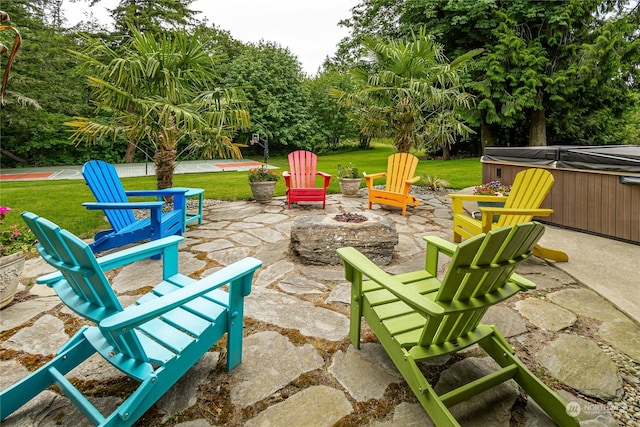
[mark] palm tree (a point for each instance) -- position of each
(160, 91)
(410, 91)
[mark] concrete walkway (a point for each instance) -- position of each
(127, 169)
(580, 327)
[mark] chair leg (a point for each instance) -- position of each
(548, 400)
(75, 351)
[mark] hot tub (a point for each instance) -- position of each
(596, 190)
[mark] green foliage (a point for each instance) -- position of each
(576, 61)
(15, 238)
(348, 170)
(333, 123)
(278, 99)
(43, 91)
(263, 174)
(434, 183)
(410, 91)
(152, 16)
(160, 91)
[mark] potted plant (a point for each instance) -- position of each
(16, 242)
(349, 179)
(263, 183)
(492, 188)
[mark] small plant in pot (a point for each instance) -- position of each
(349, 179)
(16, 243)
(263, 183)
(495, 189)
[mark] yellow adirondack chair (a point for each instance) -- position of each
(528, 191)
(400, 170)
(418, 317)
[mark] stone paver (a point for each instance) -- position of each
(546, 315)
(581, 364)
(270, 362)
(299, 368)
(315, 406)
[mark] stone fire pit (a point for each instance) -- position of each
(315, 239)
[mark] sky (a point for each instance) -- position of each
(309, 28)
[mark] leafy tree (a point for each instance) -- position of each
(332, 120)
(151, 16)
(412, 92)
(160, 91)
(43, 92)
(564, 67)
(278, 98)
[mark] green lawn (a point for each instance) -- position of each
(61, 201)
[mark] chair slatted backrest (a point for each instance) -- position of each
(478, 277)
(85, 289)
(302, 166)
(529, 189)
(102, 178)
(400, 167)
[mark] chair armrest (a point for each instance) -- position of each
(516, 211)
(489, 212)
(354, 259)
(168, 192)
(457, 200)
(522, 281)
(124, 257)
(412, 180)
(178, 194)
(369, 178)
(134, 316)
(435, 246)
(478, 197)
(326, 178)
(123, 205)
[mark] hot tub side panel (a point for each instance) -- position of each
(591, 201)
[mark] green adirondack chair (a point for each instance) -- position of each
(154, 341)
(416, 317)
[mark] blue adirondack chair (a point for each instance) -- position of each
(103, 180)
(154, 341)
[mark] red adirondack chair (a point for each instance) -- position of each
(301, 179)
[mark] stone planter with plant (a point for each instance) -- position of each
(349, 179)
(492, 188)
(263, 183)
(16, 243)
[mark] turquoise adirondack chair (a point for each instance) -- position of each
(154, 341)
(103, 180)
(416, 317)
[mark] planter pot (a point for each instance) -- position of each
(492, 205)
(263, 191)
(11, 267)
(349, 186)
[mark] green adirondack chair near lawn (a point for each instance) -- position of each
(155, 342)
(416, 317)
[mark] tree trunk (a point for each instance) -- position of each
(488, 135)
(363, 141)
(165, 162)
(446, 152)
(131, 149)
(538, 130)
(9, 154)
